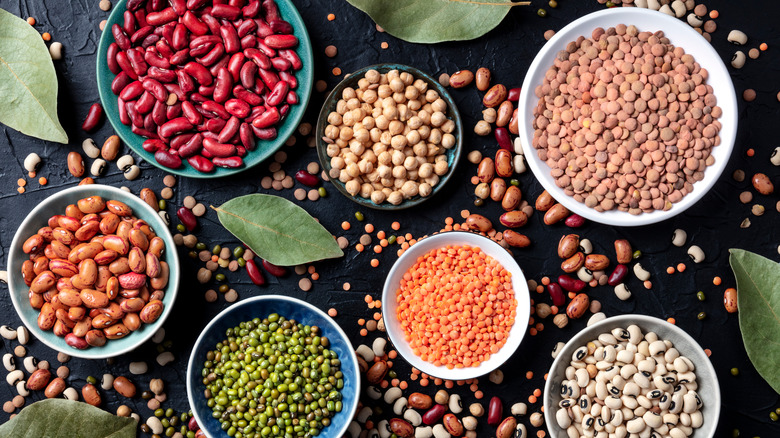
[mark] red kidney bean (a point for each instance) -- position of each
(251, 10)
(291, 80)
(255, 274)
(213, 56)
(281, 41)
(137, 62)
(246, 27)
(307, 178)
(280, 64)
(278, 94)
(159, 18)
(230, 38)
(175, 126)
(179, 40)
(129, 23)
(276, 271)
(240, 151)
(195, 4)
(124, 117)
(140, 17)
(267, 50)
(256, 111)
(161, 74)
(221, 63)
(234, 65)
(246, 136)
(159, 112)
(212, 23)
(556, 293)
(215, 126)
(248, 74)
(269, 78)
(124, 64)
(185, 81)
(292, 98)
(237, 107)
(94, 116)
(153, 58)
(259, 58)
(143, 132)
(228, 162)
(175, 89)
(191, 113)
(119, 83)
(217, 149)
(617, 275)
(135, 117)
(248, 42)
(571, 284)
(225, 11)
(223, 86)
(164, 49)
(201, 164)
(495, 411)
(149, 124)
(200, 73)
(280, 26)
(120, 37)
(266, 119)
(203, 40)
(153, 145)
(75, 341)
(574, 221)
(513, 95)
(292, 57)
(264, 133)
(113, 49)
(193, 23)
(141, 34)
(192, 146)
(502, 137)
(434, 414)
(145, 103)
(187, 218)
(270, 10)
(229, 130)
(151, 40)
(133, 5)
(215, 108)
(167, 159)
(179, 6)
(156, 88)
(131, 91)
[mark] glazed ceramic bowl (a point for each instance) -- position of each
(680, 34)
(708, 388)
(261, 307)
(264, 148)
(37, 218)
(409, 258)
(453, 154)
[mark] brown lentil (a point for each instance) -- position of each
(754, 53)
(211, 295)
(166, 193)
(745, 197)
(331, 51)
(169, 181)
(444, 80)
(749, 95)
(304, 284)
(231, 296)
(738, 175)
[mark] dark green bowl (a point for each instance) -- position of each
(265, 148)
(453, 155)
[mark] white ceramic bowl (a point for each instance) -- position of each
(680, 34)
(409, 258)
(38, 217)
(708, 390)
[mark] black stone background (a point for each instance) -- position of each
(507, 50)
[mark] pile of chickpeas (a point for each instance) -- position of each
(388, 138)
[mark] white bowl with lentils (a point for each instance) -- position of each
(389, 136)
(628, 116)
(631, 375)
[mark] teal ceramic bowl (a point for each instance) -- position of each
(261, 307)
(265, 148)
(38, 217)
(453, 154)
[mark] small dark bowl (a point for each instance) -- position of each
(453, 154)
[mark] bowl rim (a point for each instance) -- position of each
(591, 332)
(522, 297)
(171, 290)
(714, 63)
(274, 297)
(284, 130)
(456, 150)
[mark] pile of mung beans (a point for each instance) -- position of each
(273, 377)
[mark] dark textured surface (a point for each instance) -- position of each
(507, 50)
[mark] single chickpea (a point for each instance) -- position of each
(344, 176)
(397, 85)
(414, 122)
(373, 177)
(348, 93)
(370, 96)
(390, 112)
(440, 168)
(439, 105)
(385, 171)
(368, 122)
(431, 96)
(398, 183)
(482, 128)
(349, 156)
(406, 77)
(412, 137)
(366, 190)
(335, 118)
(448, 126)
(438, 158)
(425, 170)
(384, 157)
(395, 127)
(378, 197)
(363, 83)
(348, 119)
(410, 189)
(384, 80)
(474, 157)
(425, 116)
(421, 85)
(424, 131)
(399, 97)
(356, 148)
(332, 132)
(448, 141)
(414, 105)
(353, 103)
(399, 172)
(403, 112)
(410, 163)
(432, 180)
(372, 76)
(341, 106)
(387, 191)
(411, 93)
(376, 134)
(345, 133)
(386, 137)
(382, 122)
(398, 158)
(387, 183)
(438, 118)
(337, 163)
(354, 172)
(384, 91)
(398, 142)
(352, 186)
(369, 155)
(362, 135)
(332, 150)
(435, 136)
(392, 74)
(489, 115)
(425, 189)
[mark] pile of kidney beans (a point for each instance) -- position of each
(202, 80)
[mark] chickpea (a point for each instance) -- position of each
(448, 127)
(474, 157)
(489, 115)
(448, 141)
(439, 105)
(344, 176)
(390, 113)
(386, 182)
(438, 118)
(424, 131)
(353, 171)
(406, 77)
(410, 189)
(334, 118)
(353, 103)
(425, 116)
(482, 128)
(376, 134)
(353, 187)
(398, 182)
(399, 172)
(378, 197)
(433, 180)
(363, 83)
(398, 158)
(410, 163)
(366, 190)
(440, 168)
(372, 76)
(425, 189)
(414, 105)
(368, 122)
(382, 122)
(386, 137)
(384, 158)
(370, 156)
(420, 149)
(413, 137)
(362, 135)
(434, 150)
(385, 171)
(396, 127)
(337, 163)
(384, 91)
(332, 150)
(411, 93)
(370, 96)
(425, 170)
(431, 96)
(341, 106)
(412, 175)
(332, 132)
(348, 93)
(345, 133)
(350, 157)
(403, 112)
(395, 197)
(421, 85)
(348, 119)
(398, 142)
(414, 122)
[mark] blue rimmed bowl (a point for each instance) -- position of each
(260, 307)
(264, 149)
(453, 154)
(38, 217)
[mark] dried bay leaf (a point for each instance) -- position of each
(434, 21)
(277, 230)
(758, 300)
(66, 418)
(28, 82)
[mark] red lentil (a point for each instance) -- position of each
(716, 281)
(374, 263)
(331, 17)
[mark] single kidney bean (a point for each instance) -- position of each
(278, 93)
(495, 411)
(167, 159)
(270, 10)
(167, 15)
(161, 74)
(237, 60)
(134, 5)
(280, 26)
(144, 105)
(292, 57)
(141, 34)
(556, 293)
(192, 146)
(129, 23)
(281, 41)
(229, 130)
(229, 162)
(269, 78)
(153, 145)
(259, 58)
(434, 414)
(292, 98)
(124, 64)
(246, 27)
(574, 221)
(216, 149)
(119, 83)
(276, 271)
(502, 138)
(246, 136)
(94, 116)
(187, 218)
(201, 163)
(131, 91)
(193, 23)
(268, 118)
(617, 275)
(137, 62)
(251, 10)
(307, 178)
(120, 37)
(280, 64)
(289, 78)
(513, 95)
(156, 88)
(111, 53)
(223, 85)
(254, 273)
(571, 284)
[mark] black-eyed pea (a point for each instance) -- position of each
(696, 254)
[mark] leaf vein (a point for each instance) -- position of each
(8, 66)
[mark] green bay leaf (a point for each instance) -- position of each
(433, 21)
(277, 230)
(28, 82)
(66, 418)
(758, 300)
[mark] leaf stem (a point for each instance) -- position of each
(492, 3)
